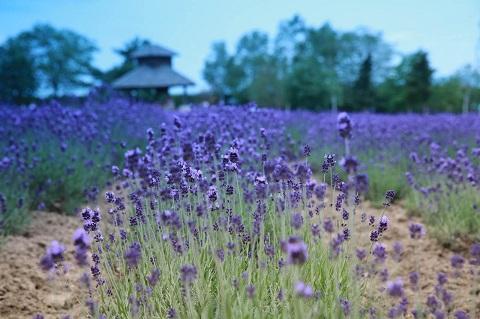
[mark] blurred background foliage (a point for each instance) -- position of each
(322, 68)
(307, 67)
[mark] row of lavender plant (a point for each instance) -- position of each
(432, 161)
(217, 219)
(56, 157)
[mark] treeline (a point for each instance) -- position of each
(301, 67)
(48, 62)
(322, 68)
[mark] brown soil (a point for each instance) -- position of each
(25, 289)
(431, 259)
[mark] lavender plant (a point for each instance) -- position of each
(218, 217)
(56, 157)
(214, 221)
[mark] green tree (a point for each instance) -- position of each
(447, 95)
(62, 57)
(363, 89)
(311, 67)
(18, 80)
(469, 79)
(222, 72)
(418, 82)
(306, 87)
(127, 63)
(261, 81)
(391, 92)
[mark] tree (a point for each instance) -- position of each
(418, 82)
(469, 79)
(127, 63)
(222, 72)
(363, 90)
(447, 95)
(62, 57)
(312, 67)
(18, 80)
(306, 86)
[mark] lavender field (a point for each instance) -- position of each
(237, 212)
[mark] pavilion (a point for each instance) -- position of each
(153, 71)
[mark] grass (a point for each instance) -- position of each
(450, 214)
(385, 176)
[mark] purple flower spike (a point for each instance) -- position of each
(81, 238)
(303, 290)
(383, 224)
(475, 252)
(133, 255)
(53, 255)
(413, 278)
(250, 291)
(297, 220)
(296, 250)
(457, 261)
(380, 252)
(416, 230)
(188, 273)
(153, 277)
(344, 125)
(395, 288)
(460, 314)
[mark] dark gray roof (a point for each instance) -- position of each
(151, 77)
(152, 50)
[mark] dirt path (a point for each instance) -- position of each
(428, 258)
(25, 289)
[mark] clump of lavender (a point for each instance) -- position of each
(188, 273)
(416, 230)
(395, 288)
(344, 125)
(53, 255)
(296, 250)
(303, 290)
(224, 199)
(133, 255)
(81, 241)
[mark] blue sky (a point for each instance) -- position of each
(449, 30)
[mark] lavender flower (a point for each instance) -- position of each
(475, 252)
(413, 278)
(133, 255)
(297, 220)
(457, 261)
(417, 230)
(53, 255)
(328, 225)
(188, 273)
(397, 251)
(303, 290)
(344, 125)
(395, 288)
(250, 291)
(153, 278)
(296, 250)
(383, 224)
(460, 314)
(379, 252)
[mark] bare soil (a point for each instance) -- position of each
(26, 290)
(428, 258)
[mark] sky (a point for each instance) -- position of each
(448, 29)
